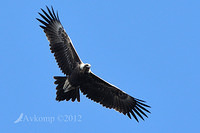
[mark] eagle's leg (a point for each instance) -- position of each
(67, 86)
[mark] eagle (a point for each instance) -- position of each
(78, 75)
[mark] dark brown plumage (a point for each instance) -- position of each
(79, 76)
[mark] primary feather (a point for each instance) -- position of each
(60, 43)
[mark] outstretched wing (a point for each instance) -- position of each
(60, 43)
(110, 96)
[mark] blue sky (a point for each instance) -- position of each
(148, 48)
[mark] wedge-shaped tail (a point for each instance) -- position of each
(73, 94)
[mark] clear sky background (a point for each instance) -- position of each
(148, 48)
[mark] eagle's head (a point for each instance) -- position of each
(85, 68)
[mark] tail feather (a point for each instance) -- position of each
(61, 95)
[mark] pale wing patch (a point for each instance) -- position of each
(82, 66)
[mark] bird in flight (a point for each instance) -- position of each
(78, 76)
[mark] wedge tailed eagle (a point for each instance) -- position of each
(78, 76)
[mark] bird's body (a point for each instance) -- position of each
(76, 78)
(79, 76)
